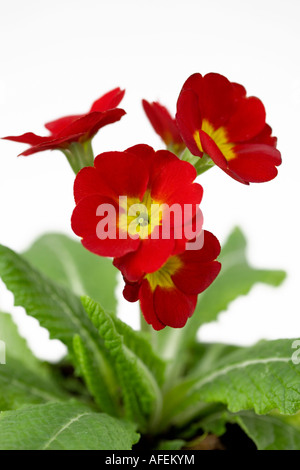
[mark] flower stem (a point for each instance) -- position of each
(79, 155)
(201, 164)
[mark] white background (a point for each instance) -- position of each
(58, 56)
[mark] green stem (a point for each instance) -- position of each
(201, 164)
(176, 149)
(79, 155)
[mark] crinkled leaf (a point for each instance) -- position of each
(139, 343)
(61, 312)
(89, 370)
(23, 378)
(203, 357)
(64, 426)
(268, 432)
(141, 394)
(262, 377)
(65, 261)
(19, 385)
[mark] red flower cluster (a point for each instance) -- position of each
(141, 207)
(147, 229)
(76, 128)
(138, 227)
(216, 117)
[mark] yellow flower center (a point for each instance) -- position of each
(139, 217)
(163, 277)
(219, 136)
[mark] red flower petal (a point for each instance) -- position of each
(211, 149)
(209, 252)
(148, 258)
(163, 123)
(57, 126)
(198, 268)
(192, 229)
(108, 101)
(239, 90)
(247, 121)
(173, 307)
(194, 278)
(217, 99)
(90, 123)
(61, 143)
(146, 154)
(147, 306)
(81, 129)
(167, 172)
(75, 128)
(189, 119)
(131, 291)
(89, 181)
(264, 137)
(29, 138)
(124, 172)
(255, 163)
(84, 224)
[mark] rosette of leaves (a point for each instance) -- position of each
(118, 388)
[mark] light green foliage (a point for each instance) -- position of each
(139, 343)
(61, 312)
(141, 394)
(209, 385)
(262, 377)
(64, 426)
(23, 378)
(19, 385)
(268, 432)
(67, 262)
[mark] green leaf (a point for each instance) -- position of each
(20, 385)
(175, 444)
(89, 369)
(64, 426)
(67, 262)
(203, 357)
(139, 343)
(141, 393)
(268, 432)
(262, 377)
(214, 423)
(61, 312)
(23, 378)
